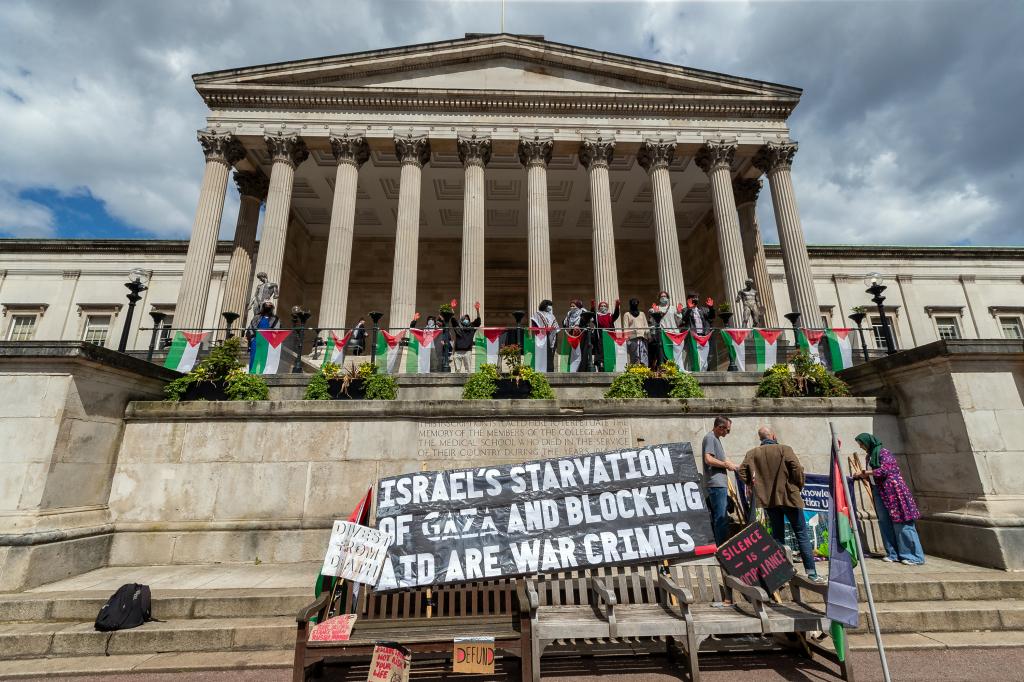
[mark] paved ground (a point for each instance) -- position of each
(962, 665)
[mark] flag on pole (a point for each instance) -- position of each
(421, 347)
(700, 346)
(360, 515)
(613, 347)
(736, 342)
(537, 348)
(841, 599)
(266, 355)
(570, 353)
(184, 350)
(840, 352)
(766, 347)
(809, 340)
(335, 352)
(389, 351)
(674, 345)
(486, 345)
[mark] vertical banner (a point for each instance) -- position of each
(766, 347)
(809, 339)
(486, 345)
(335, 351)
(674, 344)
(266, 354)
(613, 345)
(569, 351)
(736, 342)
(389, 351)
(184, 351)
(699, 349)
(840, 351)
(537, 349)
(421, 349)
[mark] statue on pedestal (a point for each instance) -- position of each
(266, 292)
(750, 309)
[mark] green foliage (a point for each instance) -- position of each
(318, 388)
(724, 307)
(378, 386)
(511, 356)
(446, 308)
(540, 389)
(481, 384)
(630, 384)
(221, 366)
(684, 386)
(627, 385)
(860, 309)
(803, 377)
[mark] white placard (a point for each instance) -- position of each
(356, 552)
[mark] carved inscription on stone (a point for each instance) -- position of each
(520, 439)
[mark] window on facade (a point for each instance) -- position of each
(1011, 327)
(877, 335)
(23, 328)
(165, 335)
(948, 327)
(97, 328)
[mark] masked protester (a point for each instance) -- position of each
(574, 315)
(670, 314)
(543, 317)
(464, 329)
(698, 318)
(635, 323)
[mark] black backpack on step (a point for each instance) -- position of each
(129, 607)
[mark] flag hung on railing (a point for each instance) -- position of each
(699, 350)
(486, 345)
(809, 339)
(840, 351)
(537, 345)
(266, 354)
(389, 351)
(613, 347)
(421, 348)
(736, 343)
(570, 349)
(674, 345)
(766, 347)
(184, 350)
(335, 352)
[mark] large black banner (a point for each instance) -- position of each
(620, 507)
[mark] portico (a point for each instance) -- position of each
(501, 169)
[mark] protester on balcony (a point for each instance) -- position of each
(695, 317)
(464, 330)
(606, 319)
(358, 338)
(544, 318)
(635, 323)
(670, 315)
(573, 317)
(894, 503)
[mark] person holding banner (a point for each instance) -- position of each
(894, 503)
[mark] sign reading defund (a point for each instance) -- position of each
(621, 507)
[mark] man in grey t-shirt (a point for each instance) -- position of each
(716, 477)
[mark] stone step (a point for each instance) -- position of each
(946, 616)
(28, 640)
(167, 604)
(971, 586)
(68, 666)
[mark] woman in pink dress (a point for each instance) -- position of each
(894, 504)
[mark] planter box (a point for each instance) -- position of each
(657, 388)
(512, 390)
(205, 390)
(355, 391)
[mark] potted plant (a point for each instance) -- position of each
(639, 381)
(725, 313)
(220, 376)
(333, 382)
(801, 378)
(520, 382)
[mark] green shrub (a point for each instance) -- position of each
(377, 386)
(806, 378)
(482, 384)
(221, 366)
(240, 385)
(318, 388)
(540, 389)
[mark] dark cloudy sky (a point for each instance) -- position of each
(908, 125)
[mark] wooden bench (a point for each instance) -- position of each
(425, 626)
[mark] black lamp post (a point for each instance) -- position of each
(158, 318)
(875, 287)
(299, 318)
(229, 318)
(794, 321)
(136, 285)
(519, 315)
(375, 316)
(858, 319)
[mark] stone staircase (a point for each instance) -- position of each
(49, 631)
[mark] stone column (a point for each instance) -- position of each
(715, 159)
(535, 154)
(287, 150)
(252, 191)
(350, 153)
(655, 157)
(222, 151)
(475, 154)
(775, 160)
(746, 190)
(413, 152)
(596, 155)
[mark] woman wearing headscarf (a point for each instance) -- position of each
(544, 318)
(635, 323)
(894, 504)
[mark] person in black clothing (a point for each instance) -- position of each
(464, 330)
(358, 338)
(698, 318)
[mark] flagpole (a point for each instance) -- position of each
(863, 567)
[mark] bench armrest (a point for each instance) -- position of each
(608, 597)
(527, 592)
(681, 593)
(801, 582)
(311, 610)
(751, 592)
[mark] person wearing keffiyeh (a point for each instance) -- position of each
(894, 503)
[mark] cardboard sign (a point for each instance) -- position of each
(473, 655)
(755, 558)
(355, 552)
(337, 629)
(390, 663)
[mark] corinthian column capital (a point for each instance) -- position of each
(287, 147)
(474, 151)
(252, 184)
(535, 152)
(774, 156)
(414, 150)
(746, 190)
(222, 147)
(713, 155)
(656, 154)
(353, 150)
(596, 153)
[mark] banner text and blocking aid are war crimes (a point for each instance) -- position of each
(619, 507)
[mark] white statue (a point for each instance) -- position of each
(749, 306)
(266, 292)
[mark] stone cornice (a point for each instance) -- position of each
(112, 246)
(905, 252)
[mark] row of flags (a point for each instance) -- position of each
(687, 349)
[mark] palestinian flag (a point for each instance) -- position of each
(736, 342)
(421, 346)
(674, 345)
(536, 349)
(184, 351)
(570, 353)
(389, 351)
(613, 346)
(699, 348)
(841, 603)
(486, 345)
(840, 352)
(266, 353)
(766, 347)
(809, 340)
(335, 352)
(360, 515)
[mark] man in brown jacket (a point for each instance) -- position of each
(776, 476)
